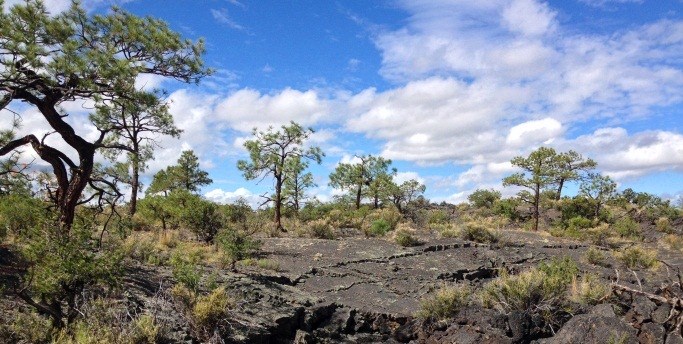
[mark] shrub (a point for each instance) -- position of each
(588, 290)
(445, 302)
(19, 214)
(674, 242)
(438, 217)
(209, 310)
(447, 230)
(405, 239)
(482, 198)
(596, 257)
(507, 208)
(145, 330)
(201, 217)
(186, 269)
(477, 232)
(320, 229)
(236, 245)
(379, 227)
(663, 224)
(268, 264)
(536, 292)
(627, 228)
(637, 257)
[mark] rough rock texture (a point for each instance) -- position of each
(591, 328)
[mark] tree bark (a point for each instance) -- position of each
(537, 198)
(278, 203)
(559, 189)
(358, 194)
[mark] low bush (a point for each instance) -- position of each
(626, 227)
(445, 302)
(268, 264)
(478, 232)
(186, 269)
(663, 224)
(596, 257)
(211, 309)
(236, 245)
(674, 242)
(378, 228)
(638, 257)
(588, 290)
(438, 216)
(320, 229)
(405, 238)
(541, 291)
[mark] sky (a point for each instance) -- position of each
(450, 90)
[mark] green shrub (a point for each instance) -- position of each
(320, 229)
(637, 257)
(236, 245)
(596, 257)
(19, 214)
(482, 198)
(663, 224)
(405, 239)
(447, 230)
(186, 269)
(541, 291)
(477, 232)
(438, 217)
(268, 264)
(588, 290)
(627, 228)
(507, 208)
(211, 309)
(379, 227)
(201, 217)
(445, 302)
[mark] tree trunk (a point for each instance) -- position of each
(376, 201)
(358, 193)
(537, 199)
(559, 189)
(135, 185)
(278, 203)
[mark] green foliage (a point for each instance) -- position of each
(626, 227)
(368, 177)
(478, 232)
(588, 290)
(282, 155)
(482, 198)
(186, 269)
(596, 257)
(379, 227)
(663, 224)
(438, 216)
(320, 229)
(445, 302)
(599, 189)
(405, 239)
(541, 291)
(201, 217)
(507, 208)
(236, 244)
(185, 175)
(638, 257)
(20, 213)
(211, 309)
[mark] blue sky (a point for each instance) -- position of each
(450, 90)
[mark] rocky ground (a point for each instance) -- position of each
(365, 290)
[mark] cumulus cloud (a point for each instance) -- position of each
(248, 108)
(227, 197)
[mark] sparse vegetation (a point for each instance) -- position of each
(445, 302)
(638, 257)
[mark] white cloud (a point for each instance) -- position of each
(227, 197)
(223, 17)
(528, 17)
(401, 177)
(247, 108)
(534, 132)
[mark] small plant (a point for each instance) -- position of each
(477, 232)
(379, 227)
(210, 309)
(320, 229)
(627, 228)
(637, 257)
(588, 290)
(186, 270)
(674, 242)
(236, 245)
(663, 224)
(445, 302)
(596, 257)
(268, 264)
(145, 330)
(405, 239)
(438, 217)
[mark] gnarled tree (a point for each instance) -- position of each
(49, 60)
